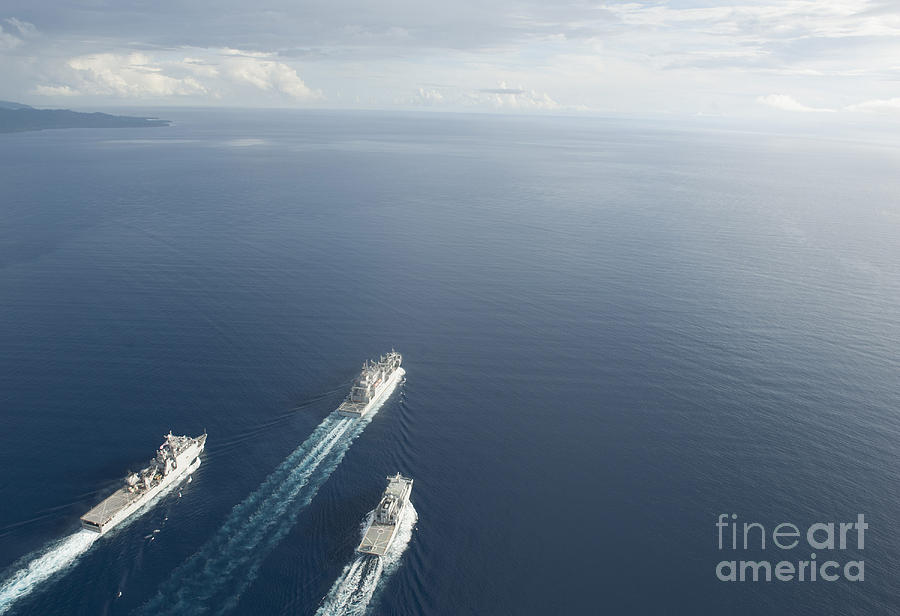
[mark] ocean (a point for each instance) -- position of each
(613, 332)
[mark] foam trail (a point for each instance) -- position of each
(214, 578)
(354, 589)
(52, 559)
(63, 553)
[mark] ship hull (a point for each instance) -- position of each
(384, 391)
(122, 505)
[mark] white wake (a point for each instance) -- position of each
(214, 577)
(60, 554)
(353, 590)
(52, 559)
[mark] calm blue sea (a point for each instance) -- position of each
(613, 332)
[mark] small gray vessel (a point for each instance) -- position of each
(386, 517)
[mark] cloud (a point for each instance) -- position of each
(503, 97)
(430, 97)
(197, 74)
(8, 41)
(513, 91)
(499, 98)
(198, 66)
(788, 103)
(55, 91)
(14, 33)
(679, 57)
(767, 20)
(24, 28)
(131, 75)
(228, 51)
(882, 105)
(268, 75)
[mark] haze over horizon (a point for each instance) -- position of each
(766, 60)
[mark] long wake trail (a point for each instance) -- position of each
(60, 555)
(54, 558)
(213, 578)
(354, 589)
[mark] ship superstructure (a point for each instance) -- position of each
(375, 383)
(386, 517)
(176, 458)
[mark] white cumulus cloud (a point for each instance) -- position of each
(268, 75)
(504, 97)
(430, 96)
(44, 90)
(789, 103)
(199, 67)
(880, 105)
(191, 73)
(131, 75)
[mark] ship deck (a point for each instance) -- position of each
(377, 539)
(358, 409)
(103, 513)
(352, 408)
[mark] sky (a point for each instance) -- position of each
(827, 59)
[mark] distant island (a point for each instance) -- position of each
(16, 117)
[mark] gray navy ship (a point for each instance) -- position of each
(386, 517)
(176, 458)
(373, 385)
